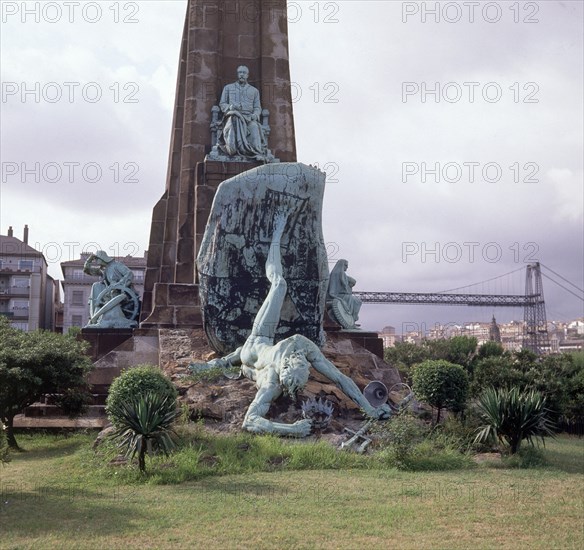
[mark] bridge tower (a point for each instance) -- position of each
(535, 334)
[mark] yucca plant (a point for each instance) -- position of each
(144, 424)
(512, 415)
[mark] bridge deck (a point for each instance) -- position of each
(496, 300)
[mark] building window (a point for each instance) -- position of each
(76, 320)
(77, 274)
(26, 265)
(20, 305)
(77, 298)
(21, 326)
(138, 276)
(20, 282)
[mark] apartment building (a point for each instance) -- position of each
(28, 294)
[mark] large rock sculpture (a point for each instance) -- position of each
(232, 258)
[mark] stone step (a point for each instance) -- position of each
(40, 410)
(21, 421)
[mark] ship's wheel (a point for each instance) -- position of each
(130, 305)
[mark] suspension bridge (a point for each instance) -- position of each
(535, 332)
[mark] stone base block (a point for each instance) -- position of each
(368, 340)
(175, 306)
(104, 340)
(139, 350)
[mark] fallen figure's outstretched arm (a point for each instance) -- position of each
(256, 422)
(349, 388)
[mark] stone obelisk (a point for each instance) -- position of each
(218, 36)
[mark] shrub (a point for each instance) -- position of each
(407, 444)
(133, 384)
(511, 416)
(526, 457)
(397, 438)
(460, 432)
(144, 424)
(441, 384)
(435, 455)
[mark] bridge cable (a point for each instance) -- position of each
(566, 289)
(481, 282)
(563, 278)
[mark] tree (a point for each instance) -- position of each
(37, 363)
(573, 398)
(497, 372)
(437, 349)
(512, 415)
(3, 445)
(462, 350)
(490, 349)
(441, 384)
(405, 355)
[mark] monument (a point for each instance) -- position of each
(219, 36)
(232, 179)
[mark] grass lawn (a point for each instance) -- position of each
(52, 496)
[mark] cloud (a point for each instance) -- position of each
(569, 194)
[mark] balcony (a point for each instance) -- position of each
(20, 314)
(15, 291)
(13, 268)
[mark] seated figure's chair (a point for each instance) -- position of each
(217, 130)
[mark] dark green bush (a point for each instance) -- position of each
(134, 383)
(441, 384)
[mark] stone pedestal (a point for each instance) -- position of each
(368, 340)
(103, 340)
(175, 305)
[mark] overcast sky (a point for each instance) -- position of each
(509, 108)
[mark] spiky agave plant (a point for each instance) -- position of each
(512, 415)
(144, 424)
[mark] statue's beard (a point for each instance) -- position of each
(290, 391)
